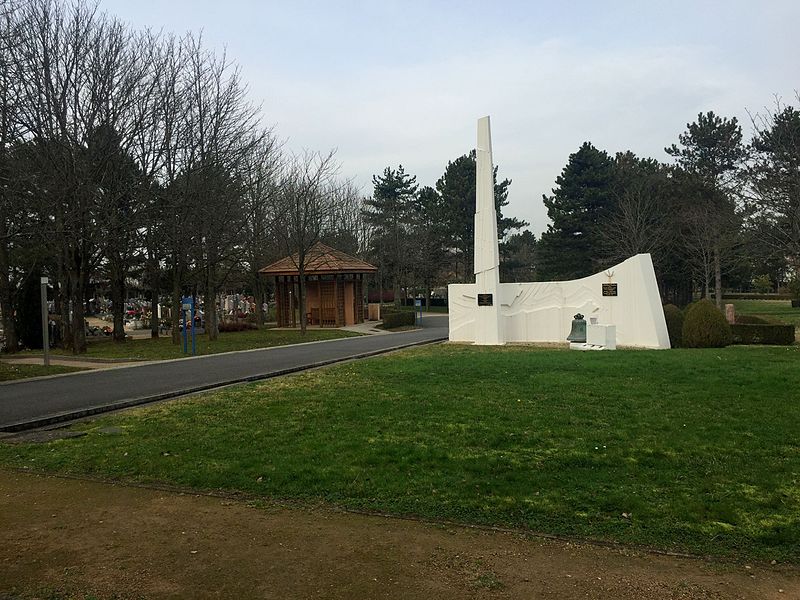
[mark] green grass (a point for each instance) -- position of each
(774, 310)
(163, 348)
(9, 372)
(699, 448)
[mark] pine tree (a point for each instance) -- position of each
(457, 189)
(570, 247)
(428, 239)
(389, 212)
(711, 153)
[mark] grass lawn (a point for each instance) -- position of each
(694, 450)
(774, 310)
(15, 371)
(163, 348)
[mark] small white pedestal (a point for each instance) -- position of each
(602, 336)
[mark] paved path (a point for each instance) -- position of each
(39, 402)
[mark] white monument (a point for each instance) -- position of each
(621, 305)
(488, 325)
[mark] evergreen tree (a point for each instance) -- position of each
(457, 190)
(428, 239)
(518, 258)
(389, 213)
(570, 248)
(775, 181)
(711, 153)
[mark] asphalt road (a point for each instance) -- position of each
(40, 402)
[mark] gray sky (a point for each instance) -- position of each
(389, 82)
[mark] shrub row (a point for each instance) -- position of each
(704, 326)
(433, 301)
(751, 320)
(230, 326)
(763, 333)
(755, 296)
(674, 317)
(394, 319)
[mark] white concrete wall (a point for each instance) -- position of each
(543, 311)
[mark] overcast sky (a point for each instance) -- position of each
(388, 82)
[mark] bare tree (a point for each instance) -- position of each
(59, 111)
(259, 174)
(11, 209)
(638, 223)
(773, 176)
(223, 129)
(305, 199)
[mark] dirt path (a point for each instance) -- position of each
(82, 537)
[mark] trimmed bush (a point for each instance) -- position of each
(392, 320)
(753, 296)
(772, 334)
(704, 326)
(751, 320)
(230, 326)
(674, 318)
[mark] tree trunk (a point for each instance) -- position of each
(7, 300)
(155, 284)
(63, 300)
(717, 277)
(212, 317)
(260, 299)
(118, 304)
(212, 329)
(396, 288)
(302, 294)
(77, 287)
(176, 308)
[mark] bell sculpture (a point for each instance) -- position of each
(578, 333)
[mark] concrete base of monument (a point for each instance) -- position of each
(586, 346)
(624, 296)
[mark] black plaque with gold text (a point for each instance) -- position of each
(609, 289)
(485, 300)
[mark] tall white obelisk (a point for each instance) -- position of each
(488, 330)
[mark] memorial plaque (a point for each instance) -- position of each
(609, 289)
(485, 300)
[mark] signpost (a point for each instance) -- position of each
(418, 305)
(45, 323)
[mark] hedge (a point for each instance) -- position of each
(674, 318)
(392, 320)
(771, 334)
(755, 296)
(751, 320)
(433, 301)
(231, 326)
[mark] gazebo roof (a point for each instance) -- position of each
(320, 260)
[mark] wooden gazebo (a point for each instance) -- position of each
(334, 287)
